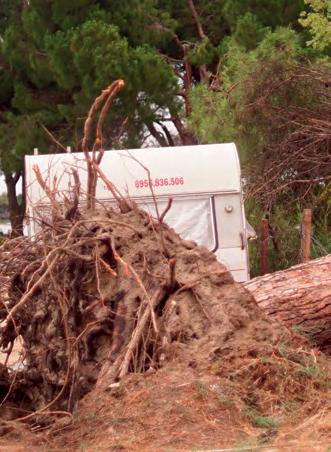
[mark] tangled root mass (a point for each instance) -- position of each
(110, 293)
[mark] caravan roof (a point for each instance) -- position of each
(183, 170)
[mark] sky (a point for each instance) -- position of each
(3, 187)
(2, 184)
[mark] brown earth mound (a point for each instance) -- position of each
(109, 294)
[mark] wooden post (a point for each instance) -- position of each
(306, 235)
(264, 247)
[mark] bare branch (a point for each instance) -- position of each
(196, 18)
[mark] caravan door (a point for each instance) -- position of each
(232, 238)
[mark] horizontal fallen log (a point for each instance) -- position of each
(300, 297)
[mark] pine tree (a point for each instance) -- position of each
(56, 56)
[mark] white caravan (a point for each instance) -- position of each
(204, 182)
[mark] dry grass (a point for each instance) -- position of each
(176, 409)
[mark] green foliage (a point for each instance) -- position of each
(57, 56)
(19, 134)
(211, 116)
(6, 86)
(217, 117)
(202, 53)
(265, 422)
(261, 421)
(239, 112)
(318, 21)
(249, 31)
(272, 13)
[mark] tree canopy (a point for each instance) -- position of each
(317, 20)
(195, 71)
(56, 56)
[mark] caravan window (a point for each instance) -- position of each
(192, 219)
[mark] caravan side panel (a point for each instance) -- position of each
(173, 171)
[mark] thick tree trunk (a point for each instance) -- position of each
(186, 137)
(299, 296)
(16, 210)
(160, 138)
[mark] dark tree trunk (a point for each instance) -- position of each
(167, 134)
(186, 137)
(160, 138)
(16, 209)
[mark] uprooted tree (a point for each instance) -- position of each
(300, 297)
(100, 293)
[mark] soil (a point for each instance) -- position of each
(204, 369)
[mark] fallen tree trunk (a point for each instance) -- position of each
(299, 296)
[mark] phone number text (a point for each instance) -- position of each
(159, 182)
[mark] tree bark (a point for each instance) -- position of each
(300, 297)
(16, 209)
(160, 138)
(167, 134)
(186, 137)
